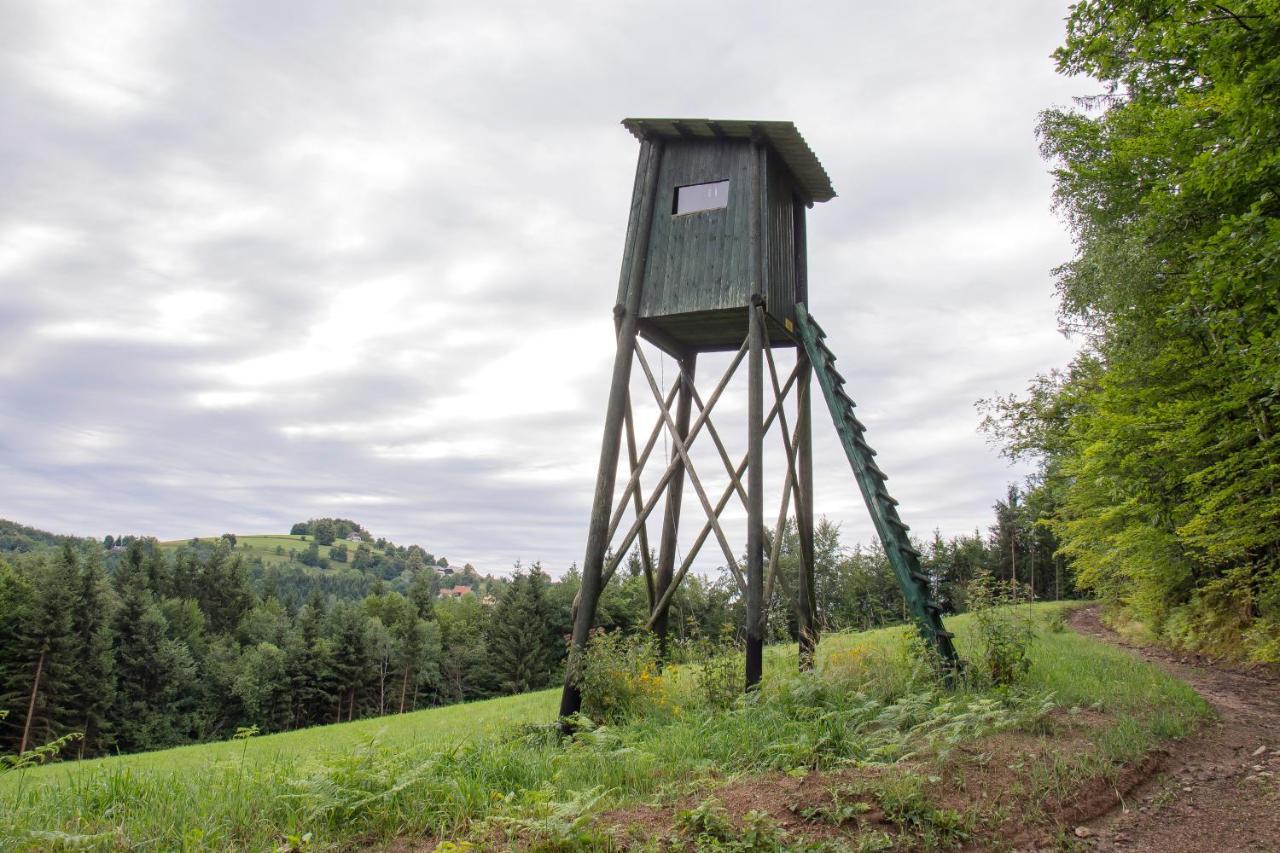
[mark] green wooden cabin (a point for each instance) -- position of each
(697, 284)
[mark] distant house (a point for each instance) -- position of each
(456, 592)
(354, 536)
(488, 601)
(445, 570)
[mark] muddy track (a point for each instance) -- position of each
(1219, 790)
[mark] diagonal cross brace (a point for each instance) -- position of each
(665, 601)
(681, 448)
(675, 463)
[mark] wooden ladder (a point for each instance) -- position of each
(902, 555)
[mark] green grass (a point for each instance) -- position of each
(264, 546)
(455, 771)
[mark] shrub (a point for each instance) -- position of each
(619, 678)
(719, 669)
(1004, 630)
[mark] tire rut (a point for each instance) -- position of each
(1218, 790)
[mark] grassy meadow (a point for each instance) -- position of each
(265, 545)
(487, 773)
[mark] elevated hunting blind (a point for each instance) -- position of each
(714, 260)
(713, 181)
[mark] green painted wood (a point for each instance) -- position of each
(697, 283)
(904, 558)
(779, 241)
(699, 261)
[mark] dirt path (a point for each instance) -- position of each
(1217, 791)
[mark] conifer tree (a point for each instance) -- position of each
(92, 681)
(50, 652)
(17, 602)
(522, 650)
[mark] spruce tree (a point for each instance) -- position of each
(92, 681)
(17, 604)
(50, 653)
(520, 645)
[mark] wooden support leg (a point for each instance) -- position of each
(610, 447)
(805, 598)
(755, 503)
(671, 519)
(755, 430)
(597, 532)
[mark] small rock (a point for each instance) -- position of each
(1084, 832)
(1257, 768)
(1259, 751)
(1186, 789)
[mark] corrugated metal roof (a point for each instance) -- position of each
(782, 136)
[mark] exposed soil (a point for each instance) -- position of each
(1218, 790)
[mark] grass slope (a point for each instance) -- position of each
(471, 770)
(265, 545)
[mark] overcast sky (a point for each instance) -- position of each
(267, 261)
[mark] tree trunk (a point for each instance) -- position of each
(404, 688)
(31, 705)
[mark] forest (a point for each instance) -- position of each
(1157, 446)
(138, 646)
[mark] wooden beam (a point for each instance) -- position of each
(606, 473)
(664, 601)
(633, 483)
(676, 462)
(755, 433)
(806, 600)
(734, 479)
(645, 558)
(679, 446)
(775, 549)
(671, 517)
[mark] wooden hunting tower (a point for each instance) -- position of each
(714, 260)
(714, 181)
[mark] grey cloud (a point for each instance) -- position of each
(265, 261)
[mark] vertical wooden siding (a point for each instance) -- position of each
(696, 285)
(780, 249)
(698, 261)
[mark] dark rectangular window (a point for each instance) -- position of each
(698, 197)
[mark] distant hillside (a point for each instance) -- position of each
(275, 548)
(15, 537)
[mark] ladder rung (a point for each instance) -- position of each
(920, 578)
(898, 523)
(863, 446)
(875, 469)
(909, 550)
(854, 422)
(943, 633)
